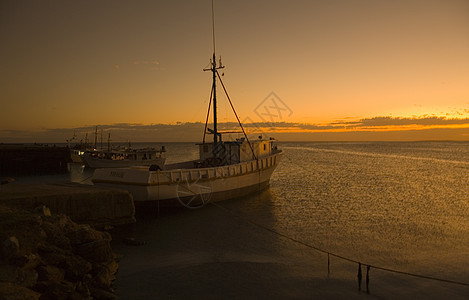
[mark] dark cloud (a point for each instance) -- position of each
(397, 121)
(193, 132)
(316, 127)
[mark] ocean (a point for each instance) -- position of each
(401, 208)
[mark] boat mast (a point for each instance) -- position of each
(96, 138)
(214, 82)
(214, 69)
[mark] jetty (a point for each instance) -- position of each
(84, 204)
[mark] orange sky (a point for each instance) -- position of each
(83, 63)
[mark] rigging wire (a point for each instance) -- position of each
(236, 115)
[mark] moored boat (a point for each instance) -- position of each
(194, 183)
(123, 158)
(224, 170)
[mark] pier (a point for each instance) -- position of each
(83, 204)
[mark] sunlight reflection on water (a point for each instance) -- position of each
(402, 205)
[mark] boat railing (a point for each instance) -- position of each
(187, 173)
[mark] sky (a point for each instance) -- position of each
(300, 70)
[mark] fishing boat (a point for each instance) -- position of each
(224, 169)
(123, 158)
(114, 157)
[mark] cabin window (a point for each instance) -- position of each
(264, 147)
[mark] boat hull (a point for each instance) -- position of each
(94, 162)
(191, 188)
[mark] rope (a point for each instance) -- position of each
(337, 255)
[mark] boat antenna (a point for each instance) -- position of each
(213, 29)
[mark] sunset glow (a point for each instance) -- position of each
(70, 66)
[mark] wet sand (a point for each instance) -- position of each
(211, 254)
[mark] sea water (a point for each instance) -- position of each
(398, 206)
(391, 205)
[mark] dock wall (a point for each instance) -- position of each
(83, 204)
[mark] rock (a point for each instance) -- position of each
(83, 289)
(84, 234)
(63, 221)
(26, 261)
(27, 278)
(53, 258)
(10, 247)
(43, 211)
(55, 233)
(59, 291)
(60, 241)
(50, 273)
(19, 276)
(8, 273)
(52, 255)
(11, 291)
(96, 251)
(76, 267)
(106, 275)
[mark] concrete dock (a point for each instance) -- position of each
(82, 203)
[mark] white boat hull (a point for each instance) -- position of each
(95, 162)
(191, 187)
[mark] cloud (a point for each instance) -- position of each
(376, 128)
(397, 121)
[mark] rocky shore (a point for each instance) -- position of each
(48, 256)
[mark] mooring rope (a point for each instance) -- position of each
(338, 255)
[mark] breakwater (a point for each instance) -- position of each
(34, 159)
(48, 256)
(83, 204)
(50, 247)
